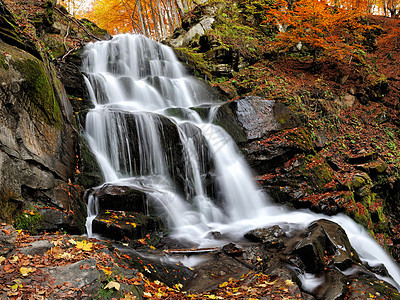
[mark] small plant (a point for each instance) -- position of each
(30, 220)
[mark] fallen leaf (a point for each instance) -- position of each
(84, 245)
(289, 282)
(112, 284)
(85, 266)
(130, 296)
(107, 270)
(57, 242)
(25, 271)
(147, 295)
(2, 258)
(72, 241)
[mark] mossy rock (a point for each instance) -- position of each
(301, 137)
(39, 90)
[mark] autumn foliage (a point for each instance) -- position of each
(152, 18)
(318, 27)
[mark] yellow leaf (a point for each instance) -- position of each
(107, 270)
(16, 286)
(112, 285)
(14, 258)
(84, 245)
(289, 282)
(212, 297)
(147, 295)
(224, 284)
(157, 282)
(178, 286)
(152, 247)
(2, 258)
(72, 241)
(19, 231)
(25, 271)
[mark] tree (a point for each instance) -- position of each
(319, 27)
(153, 18)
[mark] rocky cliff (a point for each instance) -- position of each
(39, 134)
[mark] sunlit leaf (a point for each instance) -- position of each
(130, 296)
(113, 285)
(2, 258)
(147, 295)
(84, 245)
(107, 270)
(25, 271)
(289, 282)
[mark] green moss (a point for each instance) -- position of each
(39, 90)
(3, 62)
(29, 220)
(302, 139)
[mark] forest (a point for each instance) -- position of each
(157, 19)
(302, 99)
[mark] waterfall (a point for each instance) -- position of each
(143, 131)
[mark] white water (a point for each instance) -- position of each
(132, 82)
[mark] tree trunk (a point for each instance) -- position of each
(134, 24)
(155, 23)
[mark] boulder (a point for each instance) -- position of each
(78, 275)
(120, 225)
(122, 198)
(268, 236)
(195, 32)
(326, 242)
(252, 118)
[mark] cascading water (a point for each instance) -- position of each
(136, 85)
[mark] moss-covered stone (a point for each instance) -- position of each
(3, 62)
(36, 84)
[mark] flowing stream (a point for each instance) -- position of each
(145, 131)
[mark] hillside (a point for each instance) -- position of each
(348, 160)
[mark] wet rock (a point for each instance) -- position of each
(326, 242)
(8, 237)
(122, 198)
(232, 250)
(289, 278)
(252, 118)
(268, 236)
(153, 266)
(120, 225)
(216, 270)
(332, 287)
(361, 283)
